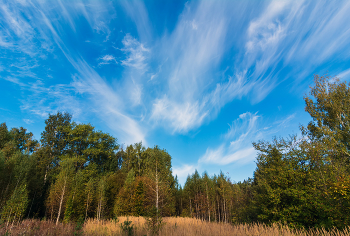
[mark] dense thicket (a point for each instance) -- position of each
(76, 172)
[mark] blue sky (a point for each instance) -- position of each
(201, 79)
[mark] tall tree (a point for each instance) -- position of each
(60, 190)
(329, 106)
(54, 139)
(158, 170)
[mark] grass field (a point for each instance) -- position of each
(173, 227)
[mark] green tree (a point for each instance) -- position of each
(139, 198)
(329, 133)
(329, 108)
(23, 140)
(285, 190)
(162, 183)
(60, 190)
(54, 140)
(16, 206)
(5, 136)
(123, 204)
(101, 198)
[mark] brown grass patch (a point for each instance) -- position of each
(37, 227)
(175, 226)
(178, 226)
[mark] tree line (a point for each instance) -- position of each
(76, 172)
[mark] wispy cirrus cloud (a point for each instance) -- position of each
(135, 52)
(291, 34)
(43, 97)
(190, 53)
(138, 13)
(222, 156)
(107, 59)
(237, 142)
(196, 47)
(344, 74)
(43, 100)
(235, 148)
(273, 40)
(107, 103)
(181, 116)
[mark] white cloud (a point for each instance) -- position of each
(344, 74)
(237, 142)
(292, 34)
(107, 104)
(43, 100)
(97, 13)
(183, 171)
(220, 156)
(136, 53)
(138, 13)
(182, 116)
(242, 127)
(28, 121)
(191, 52)
(284, 123)
(107, 59)
(136, 93)
(15, 81)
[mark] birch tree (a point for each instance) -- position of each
(61, 188)
(158, 170)
(16, 206)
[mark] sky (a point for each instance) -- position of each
(201, 79)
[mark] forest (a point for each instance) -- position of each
(75, 173)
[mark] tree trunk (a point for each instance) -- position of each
(87, 205)
(157, 188)
(190, 208)
(217, 198)
(214, 212)
(206, 185)
(225, 210)
(61, 201)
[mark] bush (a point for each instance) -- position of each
(154, 221)
(127, 227)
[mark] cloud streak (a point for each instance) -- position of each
(237, 142)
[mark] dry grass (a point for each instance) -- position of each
(37, 227)
(173, 227)
(189, 226)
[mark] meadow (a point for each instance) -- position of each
(174, 226)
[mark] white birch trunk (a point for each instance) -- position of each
(61, 201)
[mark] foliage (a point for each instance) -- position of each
(127, 227)
(16, 206)
(304, 182)
(154, 221)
